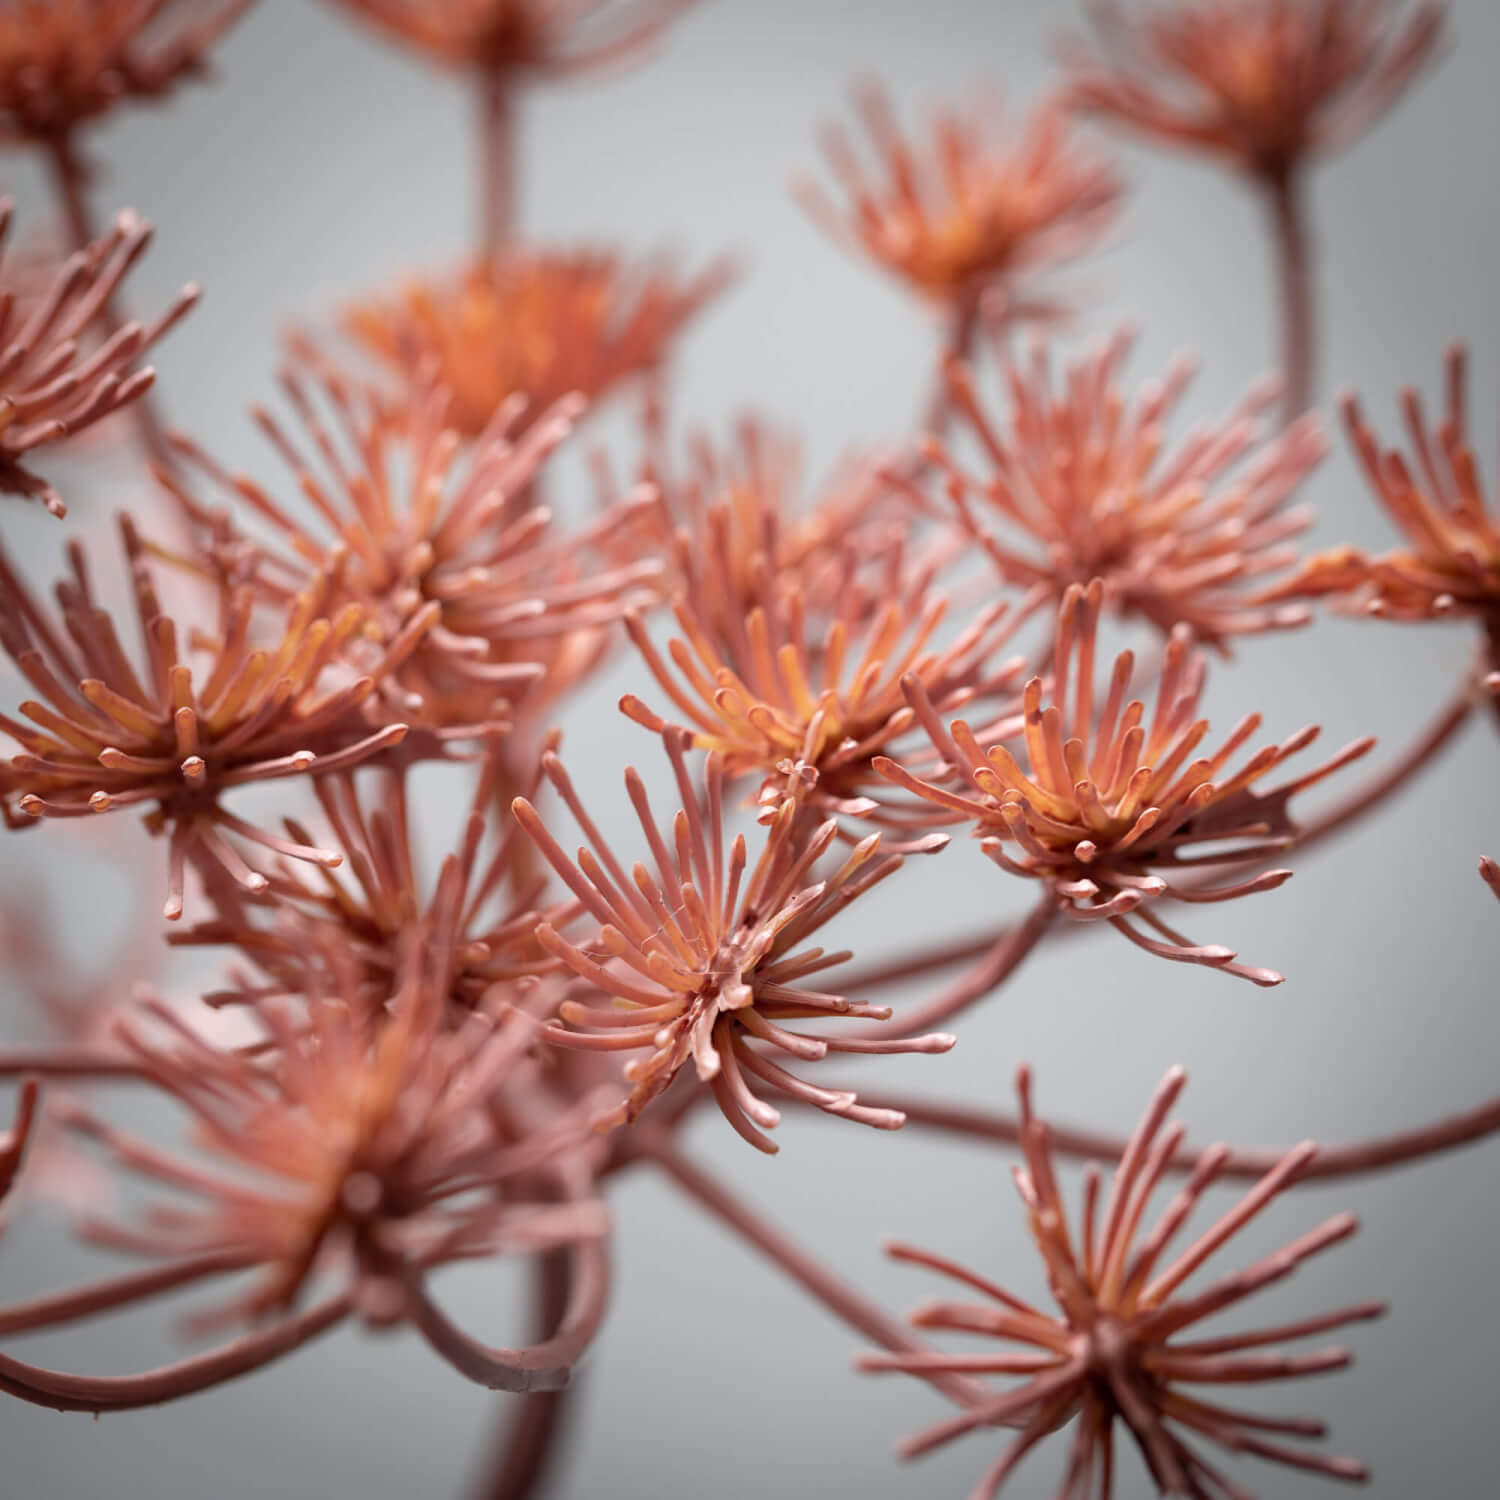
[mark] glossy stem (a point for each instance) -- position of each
(793, 1261)
(1331, 1162)
(525, 1452)
(497, 163)
(1293, 252)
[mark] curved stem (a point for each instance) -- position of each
(523, 1456)
(497, 163)
(540, 1367)
(963, 324)
(791, 1259)
(70, 1062)
(998, 964)
(1427, 746)
(98, 1393)
(1331, 1162)
(1294, 280)
(70, 181)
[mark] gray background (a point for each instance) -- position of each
(324, 162)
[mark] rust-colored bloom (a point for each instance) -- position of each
(537, 324)
(1266, 83)
(702, 965)
(975, 206)
(174, 737)
(804, 699)
(1114, 1351)
(1083, 487)
(545, 38)
(1111, 810)
(1450, 566)
(53, 383)
(453, 570)
(483, 918)
(66, 61)
(377, 1146)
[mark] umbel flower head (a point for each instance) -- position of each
(1114, 1351)
(1265, 83)
(1083, 486)
(1112, 810)
(702, 959)
(483, 917)
(537, 38)
(804, 699)
(542, 325)
(452, 568)
(972, 207)
(1450, 566)
(63, 62)
(172, 737)
(372, 1147)
(53, 384)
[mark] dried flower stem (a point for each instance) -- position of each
(498, 161)
(1334, 1162)
(70, 1062)
(1443, 727)
(1294, 273)
(527, 1444)
(70, 180)
(790, 1258)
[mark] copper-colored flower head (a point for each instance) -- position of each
(1266, 83)
(52, 383)
(1081, 484)
(700, 963)
(974, 207)
(173, 737)
(803, 699)
(1450, 566)
(542, 325)
(375, 1146)
(537, 38)
(63, 62)
(1114, 1351)
(454, 572)
(484, 922)
(1111, 810)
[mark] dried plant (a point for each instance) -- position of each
(53, 384)
(1114, 1351)
(972, 209)
(539, 325)
(66, 62)
(1080, 476)
(435, 1043)
(1110, 810)
(703, 960)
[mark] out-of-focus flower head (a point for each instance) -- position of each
(803, 693)
(974, 208)
(1110, 810)
(543, 325)
(1450, 567)
(66, 61)
(484, 923)
(455, 572)
(703, 958)
(1084, 486)
(376, 1147)
(1265, 83)
(534, 38)
(1114, 1351)
(172, 736)
(53, 382)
